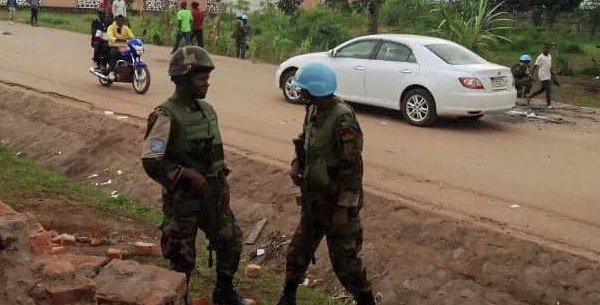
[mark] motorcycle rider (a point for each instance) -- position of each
(118, 34)
(99, 40)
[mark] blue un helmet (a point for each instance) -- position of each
(244, 17)
(239, 15)
(318, 79)
(525, 57)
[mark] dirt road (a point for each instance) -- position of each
(478, 169)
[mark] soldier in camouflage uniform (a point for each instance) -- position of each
(328, 169)
(523, 76)
(183, 152)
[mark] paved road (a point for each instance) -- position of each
(472, 168)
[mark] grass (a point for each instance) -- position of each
(587, 101)
(21, 178)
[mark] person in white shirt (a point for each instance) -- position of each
(119, 8)
(543, 66)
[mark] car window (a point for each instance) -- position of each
(391, 51)
(455, 55)
(361, 50)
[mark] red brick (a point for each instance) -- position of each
(41, 243)
(77, 290)
(80, 261)
(201, 301)
(95, 241)
(115, 253)
(142, 248)
(128, 282)
(253, 271)
(66, 240)
(58, 250)
(58, 267)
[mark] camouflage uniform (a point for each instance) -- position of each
(523, 78)
(329, 151)
(185, 135)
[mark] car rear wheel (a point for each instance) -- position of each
(290, 92)
(418, 108)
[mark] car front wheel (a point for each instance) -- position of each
(418, 108)
(290, 92)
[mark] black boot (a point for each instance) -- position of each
(287, 299)
(289, 293)
(365, 298)
(224, 293)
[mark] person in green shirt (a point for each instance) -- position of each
(184, 26)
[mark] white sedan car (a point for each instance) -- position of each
(423, 77)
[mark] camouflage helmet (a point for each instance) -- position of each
(185, 59)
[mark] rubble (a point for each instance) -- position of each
(145, 249)
(129, 283)
(37, 272)
(65, 240)
(253, 271)
(114, 253)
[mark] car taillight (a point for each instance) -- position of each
(470, 82)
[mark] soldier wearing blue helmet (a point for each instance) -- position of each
(523, 75)
(328, 169)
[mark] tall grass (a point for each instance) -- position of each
(475, 24)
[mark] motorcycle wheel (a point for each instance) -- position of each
(105, 82)
(141, 80)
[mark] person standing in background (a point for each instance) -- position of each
(184, 26)
(119, 8)
(12, 10)
(197, 24)
(35, 6)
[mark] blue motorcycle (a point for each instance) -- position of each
(129, 69)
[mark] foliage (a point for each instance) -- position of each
(289, 7)
(406, 13)
(473, 23)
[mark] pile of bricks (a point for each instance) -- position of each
(37, 270)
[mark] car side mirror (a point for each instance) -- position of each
(332, 53)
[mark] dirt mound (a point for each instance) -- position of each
(415, 256)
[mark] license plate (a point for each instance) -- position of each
(499, 82)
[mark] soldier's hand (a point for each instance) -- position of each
(340, 219)
(295, 173)
(196, 180)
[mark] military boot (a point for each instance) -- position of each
(365, 298)
(287, 299)
(224, 293)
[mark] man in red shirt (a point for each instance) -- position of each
(107, 7)
(197, 24)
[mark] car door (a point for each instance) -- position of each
(350, 63)
(389, 73)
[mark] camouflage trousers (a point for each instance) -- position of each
(344, 247)
(183, 216)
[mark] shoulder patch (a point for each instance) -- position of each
(157, 145)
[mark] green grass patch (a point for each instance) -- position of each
(587, 101)
(21, 177)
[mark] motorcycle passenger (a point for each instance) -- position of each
(118, 34)
(99, 40)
